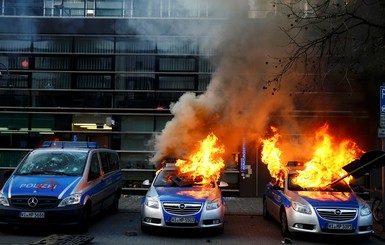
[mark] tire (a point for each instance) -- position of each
(284, 226)
(114, 208)
(145, 229)
(377, 210)
(266, 214)
(85, 220)
(220, 230)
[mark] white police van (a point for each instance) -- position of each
(62, 183)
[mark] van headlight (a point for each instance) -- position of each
(214, 204)
(365, 210)
(3, 200)
(152, 203)
(70, 200)
(300, 207)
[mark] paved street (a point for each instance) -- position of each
(244, 225)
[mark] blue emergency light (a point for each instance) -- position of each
(69, 144)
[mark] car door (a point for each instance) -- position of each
(274, 195)
(95, 183)
(110, 180)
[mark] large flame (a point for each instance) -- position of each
(271, 155)
(206, 163)
(326, 164)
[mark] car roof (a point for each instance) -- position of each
(169, 166)
(293, 166)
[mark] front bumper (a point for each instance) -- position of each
(69, 215)
(311, 223)
(152, 217)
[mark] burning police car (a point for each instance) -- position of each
(175, 200)
(334, 209)
(63, 183)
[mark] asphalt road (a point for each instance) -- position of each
(124, 228)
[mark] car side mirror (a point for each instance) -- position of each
(146, 183)
(223, 184)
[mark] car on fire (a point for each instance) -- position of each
(63, 183)
(333, 210)
(175, 200)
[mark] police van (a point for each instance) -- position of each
(62, 183)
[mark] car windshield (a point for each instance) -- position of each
(340, 186)
(171, 178)
(53, 163)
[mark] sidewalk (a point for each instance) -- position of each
(234, 206)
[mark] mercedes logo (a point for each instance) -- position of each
(32, 202)
(337, 212)
(182, 206)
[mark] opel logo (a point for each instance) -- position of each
(182, 206)
(32, 202)
(337, 212)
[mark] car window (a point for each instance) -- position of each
(94, 171)
(53, 163)
(340, 186)
(170, 178)
(110, 161)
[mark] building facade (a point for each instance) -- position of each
(107, 71)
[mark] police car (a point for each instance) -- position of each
(333, 210)
(176, 201)
(62, 183)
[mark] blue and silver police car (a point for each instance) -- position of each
(334, 210)
(173, 201)
(62, 183)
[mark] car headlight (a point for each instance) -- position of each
(302, 208)
(214, 204)
(152, 203)
(3, 200)
(70, 200)
(365, 210)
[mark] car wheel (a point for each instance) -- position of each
(284, 225)
(220, 230)
(145, 229)
(377, 210)
(114, 208)
(266, 214)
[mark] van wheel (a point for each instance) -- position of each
(85, 219)
(114, 208)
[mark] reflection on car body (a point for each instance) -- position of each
(178, 201)
(334, 209)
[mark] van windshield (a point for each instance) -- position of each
(53, 163)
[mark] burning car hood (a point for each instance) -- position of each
(329, 198)
(175, 194)
(40, 186)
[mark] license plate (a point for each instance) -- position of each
(335, 226)
(33, 215)
(182, 220)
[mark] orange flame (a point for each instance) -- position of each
(207, 163)
(326, 164)
(271, 155)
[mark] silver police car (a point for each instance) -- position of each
(334, 209)
(174, 201)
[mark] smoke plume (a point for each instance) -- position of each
(237, 103)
